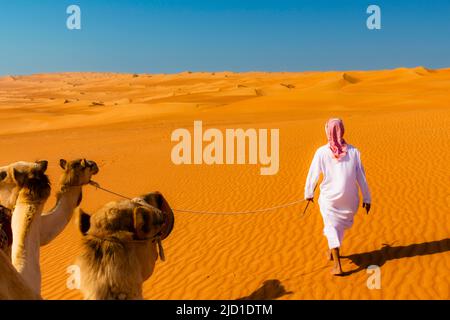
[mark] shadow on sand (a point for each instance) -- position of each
(270, 290)
(387, 252)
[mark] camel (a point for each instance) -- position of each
(13, 178)
(120, 246)
(9, 191)
(34, 191)
(77, 173)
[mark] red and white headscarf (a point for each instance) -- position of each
(334, 128)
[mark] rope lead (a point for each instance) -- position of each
(97, 186)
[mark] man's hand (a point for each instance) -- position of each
(367, 207)
(307, 205)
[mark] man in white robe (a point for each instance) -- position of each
(340, 164)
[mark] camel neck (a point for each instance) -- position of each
(68, 197)
(25, 252)
(54, 221)
(116, 273)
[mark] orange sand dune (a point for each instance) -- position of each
(399, 119)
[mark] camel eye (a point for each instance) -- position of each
(3, 175)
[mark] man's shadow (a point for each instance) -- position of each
(387, 252)
(270, 290)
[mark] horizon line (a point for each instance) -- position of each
(216, 71)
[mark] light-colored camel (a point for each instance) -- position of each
(34, 192)
(9, 191)
(76, 174)
(12, 285)
(120, 246)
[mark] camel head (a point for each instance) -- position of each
(77, 172)
(16, 176)
(120, 246)
(124, 218)
(34, 184)
(146, 217)
(157, 200)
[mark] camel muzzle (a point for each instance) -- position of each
(93, 166)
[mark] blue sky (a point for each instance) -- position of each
(157, 36)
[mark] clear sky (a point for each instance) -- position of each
(157, 36)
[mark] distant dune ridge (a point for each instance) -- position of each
(399, 119)
(347, 77)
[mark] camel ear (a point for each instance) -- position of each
(63, 164)
(42, 165)
(157, 200)
(19, 177)
(3, 175)
(83, 163)
(83, 221)
(142, 223)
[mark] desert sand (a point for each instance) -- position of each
(399, 119)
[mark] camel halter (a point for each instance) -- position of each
(66, 187)
(156, 238)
